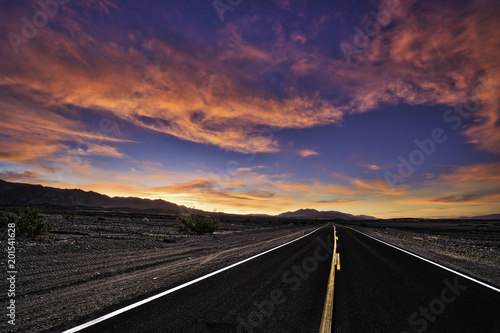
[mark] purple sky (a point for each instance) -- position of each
(384, 108)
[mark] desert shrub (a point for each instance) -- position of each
(29, 222)
(100, 218)
(5, 220)
(197, 223)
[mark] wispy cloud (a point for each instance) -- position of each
(371, 166)
(423, 63)
(466, 197)
(23, 176)
(100, 150)
(222, 104)
(307, 152)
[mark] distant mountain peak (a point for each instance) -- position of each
(310, 213)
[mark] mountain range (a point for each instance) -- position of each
(23, 194)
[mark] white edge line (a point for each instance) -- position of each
(430, 261)
(149, 299)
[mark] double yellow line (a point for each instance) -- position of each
(326, 319)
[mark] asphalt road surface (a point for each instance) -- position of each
(379, 289)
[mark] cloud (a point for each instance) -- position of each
(474, 184)
(435, 53)
(100, 5)
(486, 175)
(466, 197)
(371, 166)
(225, 97)
(23, 176)
(349, 189)
(251, 168)
(215, 104)
(210, 191)
(209, 95)
(307, 152)
(100, 150)
(33, 129)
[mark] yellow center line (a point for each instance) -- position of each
(327, 317)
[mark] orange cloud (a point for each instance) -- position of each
(222, 104)
(433, 58)
(307, 152)
(100, 150)
(208, 106)
(487, 175)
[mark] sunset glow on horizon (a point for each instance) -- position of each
(385, 108)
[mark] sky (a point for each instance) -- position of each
(383, 108)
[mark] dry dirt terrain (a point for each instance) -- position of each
(470, 247)
(97, 261)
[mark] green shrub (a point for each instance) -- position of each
(5, 220)
(197, 223)
(29, 222)
(100, 218)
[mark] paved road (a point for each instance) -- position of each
(281, 291)
(379, 289)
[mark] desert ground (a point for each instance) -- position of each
(96, 260)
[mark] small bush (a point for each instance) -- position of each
(5, 220)
(29, 222)
(197, 223)
(100, 218)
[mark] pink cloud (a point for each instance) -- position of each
(307, 152)
(421, 59)
(434, 58)
(371, 166)
(100, 150)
